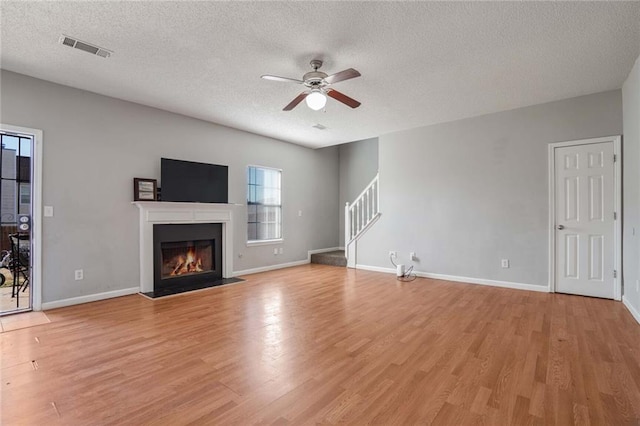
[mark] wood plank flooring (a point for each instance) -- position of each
(321, 344)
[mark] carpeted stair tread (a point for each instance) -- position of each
(334, 258)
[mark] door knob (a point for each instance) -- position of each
(560, 227)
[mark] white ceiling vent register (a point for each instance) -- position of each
(84, 46)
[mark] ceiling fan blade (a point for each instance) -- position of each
(295, 102)
(342, 75)
(284, 79)
(343, 98)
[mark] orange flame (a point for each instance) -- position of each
(187, 264)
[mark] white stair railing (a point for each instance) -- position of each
(359, 215)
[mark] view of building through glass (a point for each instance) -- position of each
(15, 222)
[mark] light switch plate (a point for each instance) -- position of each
(48, 211)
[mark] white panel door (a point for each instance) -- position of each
(584, 219)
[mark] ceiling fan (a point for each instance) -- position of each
(318, 84)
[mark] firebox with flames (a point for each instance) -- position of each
(188, 264)
(188, 258)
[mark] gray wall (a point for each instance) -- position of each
(465, 194)
(631, 185)
(358, 166)
(95, 145)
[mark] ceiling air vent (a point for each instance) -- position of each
(84, 46)
(320, 127)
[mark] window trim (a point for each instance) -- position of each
(250, 243)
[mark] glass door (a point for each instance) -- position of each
(15, 222)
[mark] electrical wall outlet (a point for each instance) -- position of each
(637, 286)
(299, 213)
(79, 274)
(275, 251)
(413, 256)
(504, 263)
(393, 254)
(280, 250)
(48, 211)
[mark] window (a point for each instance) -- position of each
(25, 193)
(264, 204)
(15, 175)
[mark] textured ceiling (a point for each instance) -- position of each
(421, 62)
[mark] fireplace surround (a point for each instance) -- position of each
(171, 213)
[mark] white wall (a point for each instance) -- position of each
(93, 148)
(358, 166)
(631, 187)
(464, 195)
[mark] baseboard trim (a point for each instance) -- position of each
(631, 309)
(466, 280)
(89, 298)
(376, 269)
(270, 268)
(285, 265)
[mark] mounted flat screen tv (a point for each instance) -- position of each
(188, 181)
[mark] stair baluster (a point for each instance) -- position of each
(359, 216)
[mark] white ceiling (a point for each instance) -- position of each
(421, 62)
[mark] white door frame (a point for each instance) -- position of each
(617, 200)
(36, 209)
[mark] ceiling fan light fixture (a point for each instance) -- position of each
(317, 87)
(316, 100)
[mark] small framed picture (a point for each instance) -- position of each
(145, 189)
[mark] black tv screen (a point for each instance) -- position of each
(189, 181)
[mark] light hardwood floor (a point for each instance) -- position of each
(321, 344)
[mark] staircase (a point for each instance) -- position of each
(333, 258)
(358, 218)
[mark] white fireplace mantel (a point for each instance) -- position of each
(158, 212)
